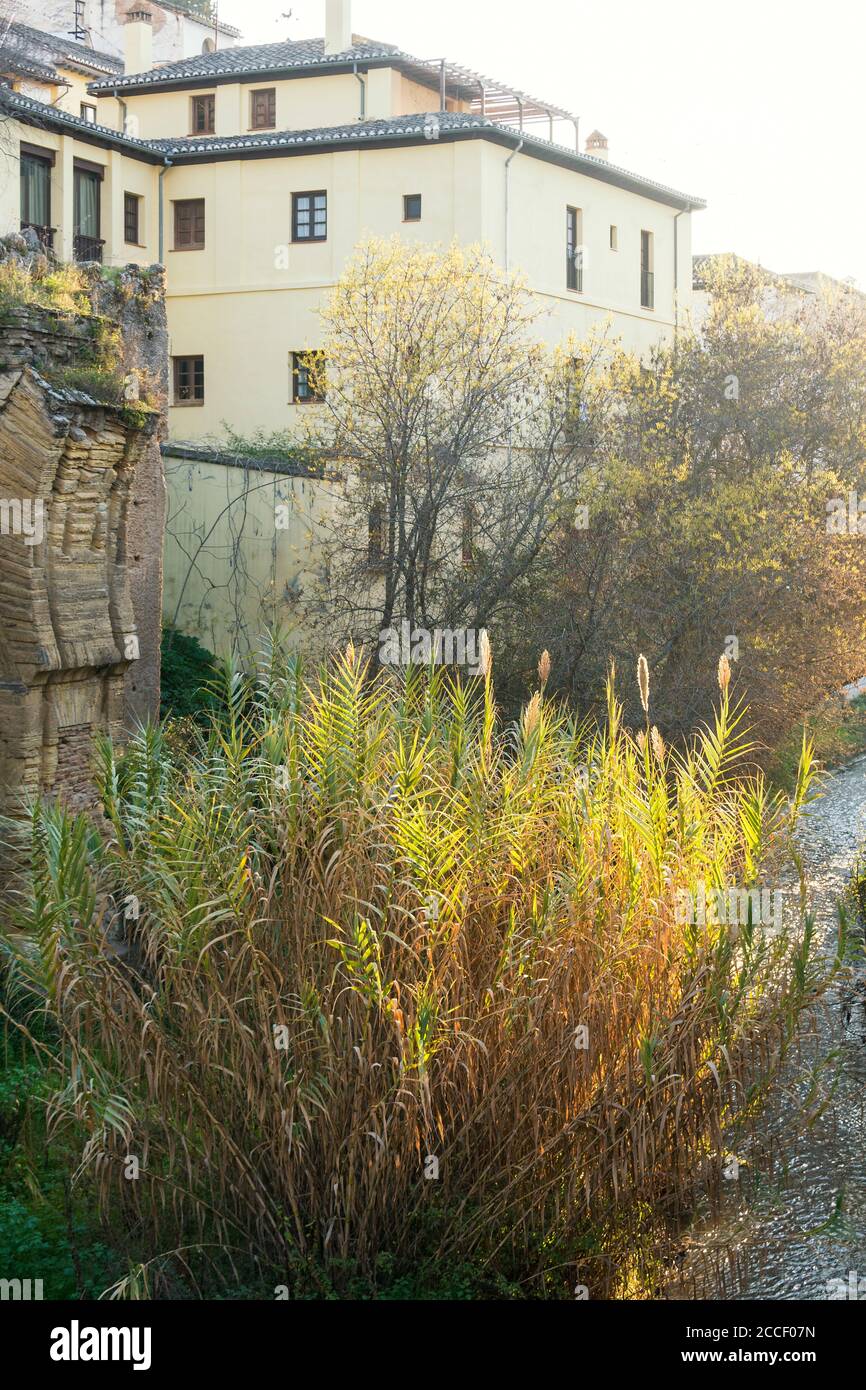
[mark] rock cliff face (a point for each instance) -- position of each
(81, 523)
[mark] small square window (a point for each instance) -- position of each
(310, 216)
(303, 389)
(188, 380)
(132, 219)
(412, 207)
(88, 113)
(614, 237)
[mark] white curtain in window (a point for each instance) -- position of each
(86, 203)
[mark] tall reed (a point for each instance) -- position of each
(404, 991)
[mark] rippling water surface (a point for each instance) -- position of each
(791, 1234)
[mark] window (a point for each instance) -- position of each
(87, 210)
(36, 165)
(573, 249)
(263, 109)
(203, 115)
(412, 207)
(188, 380)
(647, 287)
(614, 237)
(376, 534)
(132, 219)
(468, 535)
(309, 216)
(189, 224)
(303, 389)
(88, 113)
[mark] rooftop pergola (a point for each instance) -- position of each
(488, 97)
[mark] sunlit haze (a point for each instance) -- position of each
(755, 105)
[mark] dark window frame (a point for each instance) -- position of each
(187, 376)
(647, 276)
(204, 103)
(180, 206)
(88, 112)
(304, 216)
(376, 535)
(87, 246)
(411, 198)
(270, 118)
(46, 160)
(300, 373)
(573, 271)
(132, 204)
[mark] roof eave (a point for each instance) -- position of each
(181, 153)
(223, 79)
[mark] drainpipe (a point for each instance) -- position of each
(508, 200)
(162, 173)
(123, 110)
(359, 78)
(687, 208)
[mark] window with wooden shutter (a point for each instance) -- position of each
(188, 380)
(263, 108)
(310, 216)
(132, 218)
(189, 224)
(203, 115)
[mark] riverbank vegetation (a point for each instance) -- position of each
(361, 991)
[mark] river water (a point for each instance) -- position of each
(793, 1222)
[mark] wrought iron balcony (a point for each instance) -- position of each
(87, 248)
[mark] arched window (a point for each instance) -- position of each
(208, 46)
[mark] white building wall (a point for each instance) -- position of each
(175, 35)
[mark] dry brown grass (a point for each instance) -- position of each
(371, 922)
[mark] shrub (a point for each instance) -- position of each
(188, 672)
(369, 921)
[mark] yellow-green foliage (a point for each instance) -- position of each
(44, 285)
(367, 924)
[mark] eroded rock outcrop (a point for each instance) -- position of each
(68, 631)
(82, 503)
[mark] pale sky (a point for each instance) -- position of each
(757, 106)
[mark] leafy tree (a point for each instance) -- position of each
(457, 432)
(717, 465)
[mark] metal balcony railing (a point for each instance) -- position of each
(647, 289)
(45, 234)
(87, 248)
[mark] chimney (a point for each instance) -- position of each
(596, 145)
(138, 42)
(338, 26)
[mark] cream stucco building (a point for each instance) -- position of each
(253, 172)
